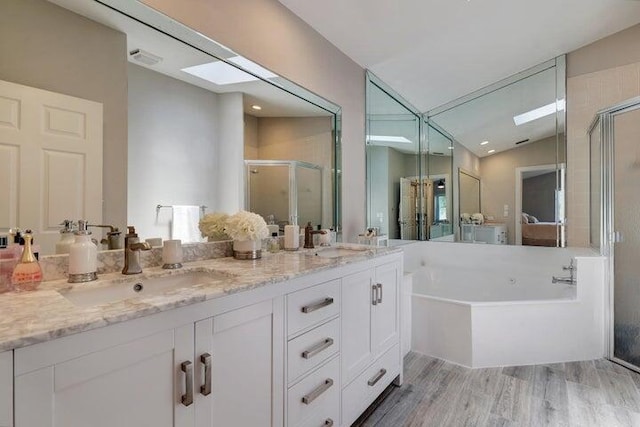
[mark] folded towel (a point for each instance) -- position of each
(184, 225)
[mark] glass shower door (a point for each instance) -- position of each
(626, 234)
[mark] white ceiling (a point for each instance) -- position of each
(434, 51)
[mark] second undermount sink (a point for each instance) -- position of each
(336, 252)
(90, 295)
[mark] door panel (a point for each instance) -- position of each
(51, 150)
(357, 298)
(385, 319)
(626, 198)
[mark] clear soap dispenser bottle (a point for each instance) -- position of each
(27, 274)
(83, 256)
(67, 237)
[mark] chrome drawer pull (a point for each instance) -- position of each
(187, 368)
(328, 422)
(308, 354)
(206, 388)
(317, 392)
(380, 293)
(374, 294)
(310, 308)
(377, 377)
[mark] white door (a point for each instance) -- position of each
(50, 161)
(357, 300)
(385, 319)
(139, 383)
(239, 345)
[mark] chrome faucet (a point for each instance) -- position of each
(571, 280)
(132, 248)
(308, 235)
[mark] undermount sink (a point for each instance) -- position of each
(113, 291)
(336, 252)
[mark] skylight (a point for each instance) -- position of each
(221, 73)
(385, 138)
(540, 112)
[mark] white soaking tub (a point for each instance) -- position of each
(484, 306)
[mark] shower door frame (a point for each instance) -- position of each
(293, 180)
(608, 236)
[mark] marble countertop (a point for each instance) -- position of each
(44, 314)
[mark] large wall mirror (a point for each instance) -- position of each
(409, 169)
(177, 118)
(511, 136)
(487, 168)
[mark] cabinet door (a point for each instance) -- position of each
(385, 318)
(138, 383)
(240, 344)
(357, 299)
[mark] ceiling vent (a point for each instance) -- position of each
(144, 57)
(522, 142)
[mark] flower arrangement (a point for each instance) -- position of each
(213, 226)
(245, 225)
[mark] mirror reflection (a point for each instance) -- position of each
(136, 118)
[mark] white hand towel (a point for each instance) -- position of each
(184, 225)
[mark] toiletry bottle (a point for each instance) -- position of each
(35, 249)
(27, 274)
(67, 237)
(83, 256)
(6, 264)
(271, 225)
(274, 243)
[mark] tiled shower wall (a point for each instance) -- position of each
(586, 95)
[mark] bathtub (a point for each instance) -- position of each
(489, 306)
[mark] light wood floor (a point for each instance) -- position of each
(436, 393)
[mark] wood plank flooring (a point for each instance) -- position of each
(437, 393)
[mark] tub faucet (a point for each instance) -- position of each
(132, 248)
(571, 280)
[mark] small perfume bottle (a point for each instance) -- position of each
(27, 274)
(274, 243)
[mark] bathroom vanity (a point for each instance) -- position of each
(293, 339)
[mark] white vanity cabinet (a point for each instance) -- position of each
(371, 357)
(6, 389)
(199, 374)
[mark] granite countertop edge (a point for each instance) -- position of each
(45, 314)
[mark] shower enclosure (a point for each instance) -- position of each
(290, 190)
(615, 221)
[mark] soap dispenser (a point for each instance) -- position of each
(67, 237)
(27, 274)
(83, 256)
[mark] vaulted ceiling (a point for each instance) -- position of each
(434, 51)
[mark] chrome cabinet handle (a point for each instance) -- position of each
(326, 385)
(187, 368)
(205, 389)
(308, 354)
(377, 377)
(380, 293)
(328, 422)
(374, 294)
(311, 308)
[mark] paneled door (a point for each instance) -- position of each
(50, 160)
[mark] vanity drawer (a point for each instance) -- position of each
(321, 392)
(313, 305)
(312, 348)
(358, 395)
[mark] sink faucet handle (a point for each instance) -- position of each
(569, 267)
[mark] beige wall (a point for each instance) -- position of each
(271, 35)
(40, 47)
(599, 75)
(498, 178)
(250, 137)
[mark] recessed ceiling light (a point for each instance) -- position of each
(540, 112)
(484, 142)
(491, 151)
(451, 147)
(385, 138)
(256, 107)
